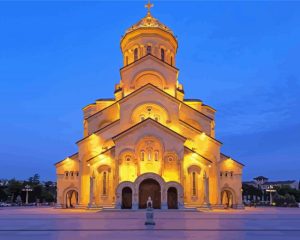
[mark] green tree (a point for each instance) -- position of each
(3, 195)
(34, 180)
(14, 188)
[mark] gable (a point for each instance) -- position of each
(128, 138)
(228, 164)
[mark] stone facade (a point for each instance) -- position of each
(149, 140)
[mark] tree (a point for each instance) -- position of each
(3, 195)
(14, 188)
(35, 180)
(251, 190)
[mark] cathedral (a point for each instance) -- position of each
(149, 140)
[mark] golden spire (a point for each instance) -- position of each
(149, 5)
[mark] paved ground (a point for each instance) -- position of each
(50, 224)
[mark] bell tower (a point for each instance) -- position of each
(149, 57)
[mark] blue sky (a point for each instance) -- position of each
(242, 58)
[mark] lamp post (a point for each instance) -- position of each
(270, 189)
(27, 189)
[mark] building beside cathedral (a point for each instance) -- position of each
(149, 141)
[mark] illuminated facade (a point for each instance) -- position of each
(149, 140)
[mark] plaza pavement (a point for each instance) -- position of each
(52, 224)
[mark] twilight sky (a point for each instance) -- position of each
(242, 58)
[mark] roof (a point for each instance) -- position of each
(149, 22)
(158, 89)
(105, 99)
(103, 152)
(232, 159)
(135, 92)
(192, 100)
(100, 129)
(66, 158)
(197, 154)
(195, 129)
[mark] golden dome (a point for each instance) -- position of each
(149, 22)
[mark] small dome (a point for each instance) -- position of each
(149, 22)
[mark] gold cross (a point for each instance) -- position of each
(149, 6)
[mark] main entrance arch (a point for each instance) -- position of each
(149, 188)
(71, 199)
(149, 185)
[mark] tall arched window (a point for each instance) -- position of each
(142, 155)
(149, 155)
(156, 155)
(104, 183)
(126, 60)
(171, 60)
(148, 50)
(135, 54)
(162, 53)
(194, 184)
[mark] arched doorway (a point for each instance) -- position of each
(126, 198)
(71, 199)
(149, 188)
(172, 198)
(227, 198)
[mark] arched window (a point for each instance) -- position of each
(149, 155)
(194, 184)
(156, 155)
(162, 53)
(148, 50)
(126, 60)
(135, 54)
(142, 155)
(67, 173)
(171, 60)
(104, 183)
(71, 173)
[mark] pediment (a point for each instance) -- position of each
(146, 128)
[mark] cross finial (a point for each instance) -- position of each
(149, 5)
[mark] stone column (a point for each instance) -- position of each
(92, 197)
(206, 190)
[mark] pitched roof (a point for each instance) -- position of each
(65, 158)
(103, 152)
(231, 159)
(156, 88)
(197, 154)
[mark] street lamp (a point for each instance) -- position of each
(27, 189)
(270, 189)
